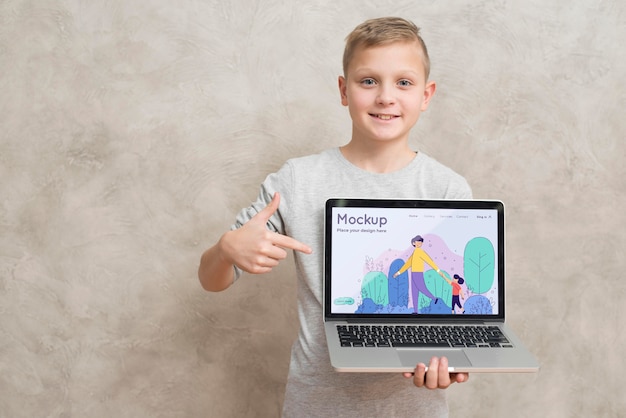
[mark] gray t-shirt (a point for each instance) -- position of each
(314, 389)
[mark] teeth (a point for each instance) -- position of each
(384, 117)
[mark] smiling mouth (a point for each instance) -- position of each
(383, 117)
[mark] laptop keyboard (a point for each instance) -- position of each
(422, 336)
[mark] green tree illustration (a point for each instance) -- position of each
(375, 287)
(479, 265)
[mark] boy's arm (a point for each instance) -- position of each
(253, 248)
(215, 273)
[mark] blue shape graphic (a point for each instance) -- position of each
(398, 286)
(478, 305)
(436, 308)
(368, 306)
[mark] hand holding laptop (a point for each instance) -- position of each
(436, 376)
(254, 248)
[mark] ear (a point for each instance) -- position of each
(429, 91)
(343, 85)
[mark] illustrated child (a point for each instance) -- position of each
(385, 87)
(456, 291)
(416, 262)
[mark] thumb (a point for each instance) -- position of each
(266, 213)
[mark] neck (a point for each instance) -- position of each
(383, 158)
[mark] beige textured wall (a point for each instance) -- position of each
(131, 133)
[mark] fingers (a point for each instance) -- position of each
(266, 213)
(459, 377)
(437, 376)
(284, 241)
(419, 378)
(256, 249)
(443, 378)
(265, 255)
(279, 240)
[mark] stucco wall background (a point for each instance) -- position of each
(131, 133)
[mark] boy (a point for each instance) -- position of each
(385, 87)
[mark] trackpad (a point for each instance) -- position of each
(412, 357)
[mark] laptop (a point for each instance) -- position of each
(406, 280)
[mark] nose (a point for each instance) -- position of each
(385, 95)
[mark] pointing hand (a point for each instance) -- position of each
(254, 248)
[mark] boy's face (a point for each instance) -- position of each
(385, 89)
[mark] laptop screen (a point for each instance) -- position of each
(414, 258)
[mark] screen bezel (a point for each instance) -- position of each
(496, 205)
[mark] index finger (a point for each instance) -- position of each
(287, 242)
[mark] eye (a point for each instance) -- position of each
(405, 83)
(368, 82)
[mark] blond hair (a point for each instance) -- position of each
(381, 31)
